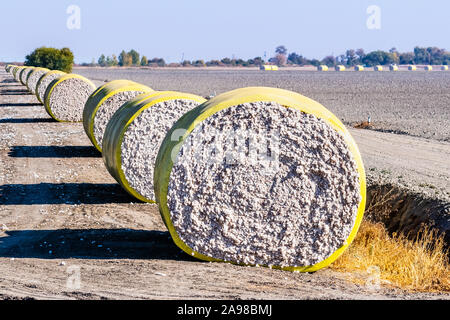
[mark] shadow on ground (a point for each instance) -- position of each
(10, 81)
(63, 193)
(13, 92)
(90, 244)
(31, 104)
(26, 120)
(54, 152)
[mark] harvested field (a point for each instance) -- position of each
(61, 210)
(415, 103)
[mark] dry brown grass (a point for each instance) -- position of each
(420, 264)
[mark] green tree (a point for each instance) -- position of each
(296, 59)
(379, 57)
(125, 59)
(102, 61)
(329, 61)
(281, 50)
(134, 57)
(51, 58)
(144, 61)
(351, 57)
(158, 62)
(406, 58)
(226, 61)
(113, 61)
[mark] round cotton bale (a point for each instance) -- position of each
(66, 96)
(444, 68)
(44, 81)
(34, 77)
(393, 68)
(322, 68)
(339, 68)
(378, 68)
(9, 67)
(359, 68)
(412, 68)
(23, 75)
(104, 102)
(428, 68)
(16, 72)
(261, 176)
(134, 134)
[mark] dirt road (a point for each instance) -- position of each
(64, 219)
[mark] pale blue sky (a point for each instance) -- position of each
(203, 29)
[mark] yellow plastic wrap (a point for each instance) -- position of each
(52, 86)
(169, 150)
(393, 68)
(40, 95)
(118, 125)
(99, 96)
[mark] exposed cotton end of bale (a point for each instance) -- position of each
(44, 81)
(340, 68)
(322, 68)
(66, 96)
(359, 68)
(104, 102)
(428, 68)
(24, 74)
(412, 68)
(261, 182)
(378, 68)
(34, 77)
(444, 68)
(134, 134)
(297, 214)
(107, 110)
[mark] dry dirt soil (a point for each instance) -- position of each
(61, 214)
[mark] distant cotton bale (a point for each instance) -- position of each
(393, 68)
(104, 102)
(339, 68)
(268, 67)
(134, 134)
(44, 81)
(359, 68)
(24, 73)
(412, 68)
(378, 68)
(16, 72)
(322, 68)
(34, 77)
(9, 67)
(444, 68)
(66, 96)
(428, 68)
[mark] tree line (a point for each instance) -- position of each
(351, 57)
